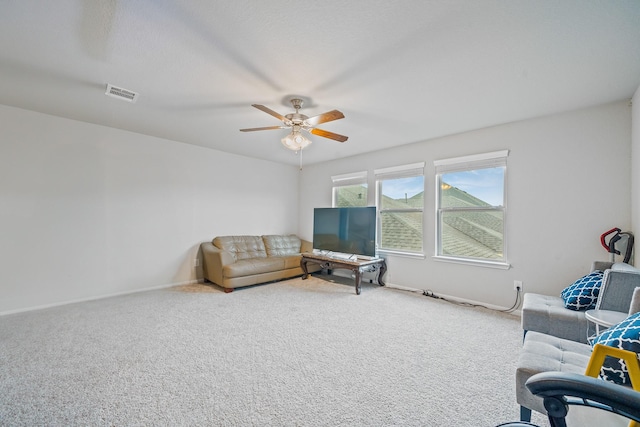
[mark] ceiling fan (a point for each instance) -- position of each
(298, 122)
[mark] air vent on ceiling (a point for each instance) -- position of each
(120, 93)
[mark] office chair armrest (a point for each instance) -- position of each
(559, 389)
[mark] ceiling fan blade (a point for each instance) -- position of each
(325, 117)
(328, 134)
(270, 111)
(263, 128)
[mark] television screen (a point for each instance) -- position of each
(345, 230)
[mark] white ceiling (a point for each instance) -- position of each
(401, 71)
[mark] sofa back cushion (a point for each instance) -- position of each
(280, 245)
(241, 247)
(621, 266)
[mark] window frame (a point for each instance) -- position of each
(471, 163)
(347, 180)
(397, 172)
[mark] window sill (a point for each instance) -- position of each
(501, 265)
(416, 255)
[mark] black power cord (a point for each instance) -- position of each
(514, 307)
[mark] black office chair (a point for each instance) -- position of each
(560, 390)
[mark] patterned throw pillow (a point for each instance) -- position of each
(624, 335)
(583, 293)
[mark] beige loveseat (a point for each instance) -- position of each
(235, 261)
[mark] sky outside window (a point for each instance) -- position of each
(403, 187)
(485, 184)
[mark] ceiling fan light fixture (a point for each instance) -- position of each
(295, 141)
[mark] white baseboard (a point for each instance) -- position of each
(93, 298)
(456, 299)
(348, 274)
(193, 281)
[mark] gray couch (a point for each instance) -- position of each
(235, 261)
(556, 338)
(547, 314)
(544, 353)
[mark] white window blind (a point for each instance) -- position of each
(403, 171)
(476, 161)
(354, 178)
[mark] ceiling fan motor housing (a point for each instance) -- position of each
(296, 118)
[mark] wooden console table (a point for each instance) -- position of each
(358, 266)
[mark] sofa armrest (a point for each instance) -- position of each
(617, 290)
(306, 246)
(214, 260)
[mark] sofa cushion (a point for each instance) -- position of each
(282, 245)
(542, 353)
(624, 335)
(242, 247)
(250, 266)
(583, 293)
(291, 261)
(634, 307)
(546, 314)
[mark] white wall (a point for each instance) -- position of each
(88, 211)
(568, 182)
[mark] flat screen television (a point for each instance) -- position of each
(345, 230)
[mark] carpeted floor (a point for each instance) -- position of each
(291, 353)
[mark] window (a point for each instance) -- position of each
(400, 202)
(350, 190)
(471, 208)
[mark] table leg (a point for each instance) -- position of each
(381, 271)
(303, 265)
(357, 270)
